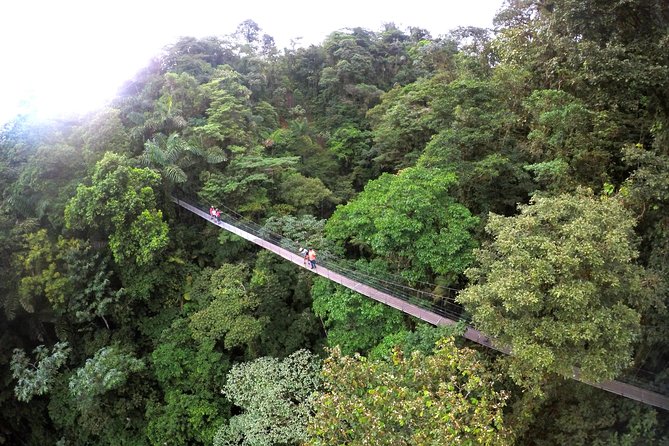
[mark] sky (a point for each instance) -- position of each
(71, 56)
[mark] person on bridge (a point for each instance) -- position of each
(304, 252)
(211, 212)
(218, 215)
(312, 258)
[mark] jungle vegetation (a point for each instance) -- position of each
(526, 166)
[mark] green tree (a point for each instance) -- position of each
(581, 415)
(121, 204)
(480, 129)
(352, 147)
(36, 378)
(445, 398)
(275, 396)
(44, 271)
(102, 401)
(107, 370)
(286, 305)
(104, 131)
(74, 281)
(404, 122)
(172, 156)
(304, 194)
(563, 129)
(411, 222)
(305, 230)
(190, 408)
(229, 307)
(197, 57)
(248, 181)
(229, 116)
(559, 285)
(609, 57)
(645, 193)
(353, 322)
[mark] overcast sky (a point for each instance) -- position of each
(72, 55)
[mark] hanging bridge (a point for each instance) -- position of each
(434, 309)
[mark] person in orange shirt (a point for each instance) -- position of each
(312, 258)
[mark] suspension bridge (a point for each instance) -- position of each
(434, 309)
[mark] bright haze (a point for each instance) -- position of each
(70, 56)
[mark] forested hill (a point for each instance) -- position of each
(526, 167)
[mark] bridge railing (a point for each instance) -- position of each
(442, 305)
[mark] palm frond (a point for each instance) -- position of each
(153, 155)
(195, 150)
(215, 155)
(10, 303)
(175, 174)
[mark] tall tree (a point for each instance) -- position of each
(228, 311)
(189, 408)
(559, 284)
(276, 398)
(411, 222)
(445, 398)
(121, 204)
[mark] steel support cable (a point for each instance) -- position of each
(262, 233)
(399, 286)
(448, 306)
(232, 217)
(423, 303)
(234, 214)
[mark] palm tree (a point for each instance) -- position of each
(173, 155)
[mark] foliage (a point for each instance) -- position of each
(228, 116)
(35, 378)
(480, 131)
(563, 129)
(424, 338)
(107, 370)
(247, 181)
(353, 322)
(582, 415)
(188, 373)
(409, 220)
(403, 123)
(463, 125)
(285, 306)
(304, 194)
(558, 283)
(74, 280)
(228, 308)
(121, 203)
(645, 193)
(43, 264)
(305, 230)
(445, 398)
(275, 396)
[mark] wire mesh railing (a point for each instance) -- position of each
(442, 305)
(646, 379)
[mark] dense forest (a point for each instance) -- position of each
(525, 166)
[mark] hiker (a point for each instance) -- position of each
(211, 212)
(312, 258)
(304, 252)
(218, 215)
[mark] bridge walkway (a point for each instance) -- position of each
(423, 311)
